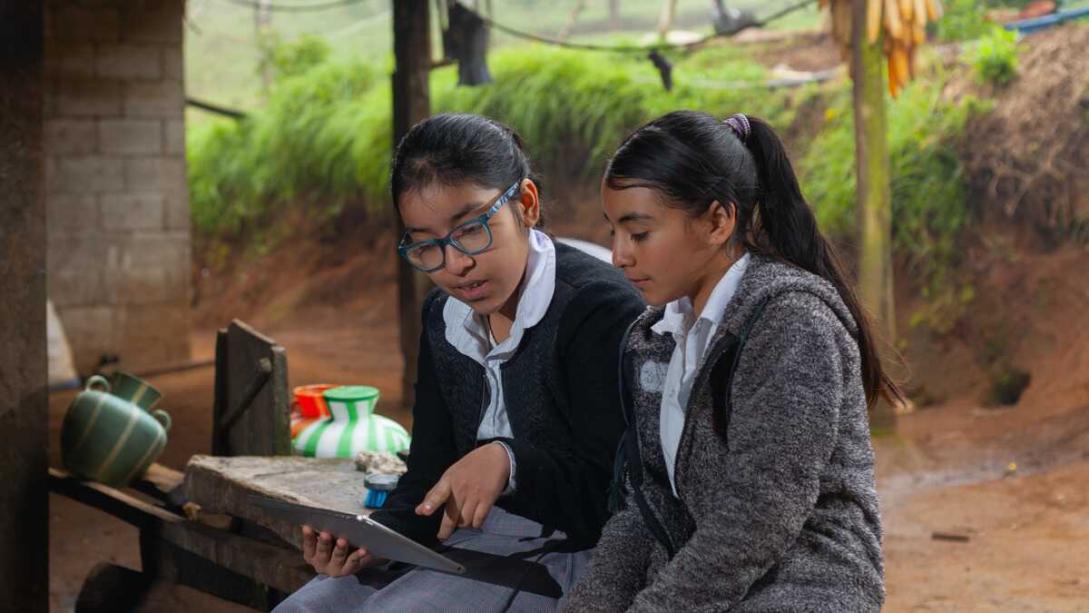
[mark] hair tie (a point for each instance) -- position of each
(739, 123)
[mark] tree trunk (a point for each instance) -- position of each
(262, 30)
(665, 20)
(411, 104)
(614, 14)
(873, 192)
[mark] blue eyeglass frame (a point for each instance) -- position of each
(403, 248)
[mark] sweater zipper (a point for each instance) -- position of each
(650, 518)
(684, 446)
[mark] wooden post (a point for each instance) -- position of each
(873, 193)
(24, 421)
(411, 104)
(665, 19)
(262, 30)
(614, 14)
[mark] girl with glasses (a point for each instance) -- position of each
(517, 415)
(749, 469)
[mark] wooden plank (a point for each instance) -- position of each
(279, 566)
(224, 485)
(124, 506)
(163, 484)
(219, 399)
(263, 427)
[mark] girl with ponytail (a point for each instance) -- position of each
(746, 470)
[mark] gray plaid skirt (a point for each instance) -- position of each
(418, 589)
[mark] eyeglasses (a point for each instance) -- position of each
(471, 238)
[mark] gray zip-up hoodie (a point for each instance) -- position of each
(781, 513)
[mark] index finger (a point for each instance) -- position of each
(434, 498)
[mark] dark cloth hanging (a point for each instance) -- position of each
(465, 40)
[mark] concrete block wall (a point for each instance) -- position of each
(118, 253)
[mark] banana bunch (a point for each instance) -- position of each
(904, 24)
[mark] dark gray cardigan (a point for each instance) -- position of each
(560, 391)
(781, 513)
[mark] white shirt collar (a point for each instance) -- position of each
(468, 333)
(677, 316)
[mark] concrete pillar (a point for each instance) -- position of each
(24, 502)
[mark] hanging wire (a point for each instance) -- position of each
(644, 48)
(295, 8)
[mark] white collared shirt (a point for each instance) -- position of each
(692, 341)
(470, 334)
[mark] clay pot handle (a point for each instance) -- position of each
(97, 380)
(163, 417)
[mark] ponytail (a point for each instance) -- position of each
(785, 223)
(695, 159)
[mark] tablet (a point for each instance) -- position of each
(360, 531)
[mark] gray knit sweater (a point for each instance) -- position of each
(781, 513)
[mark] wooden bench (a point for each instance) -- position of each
(204, 552)
(221, 555)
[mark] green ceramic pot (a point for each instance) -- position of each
(108, 438)
(351, 427)
(135, 390)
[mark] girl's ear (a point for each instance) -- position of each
(528, 204)
(723, 220)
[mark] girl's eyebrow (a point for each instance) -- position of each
(635, 217)
(469, 207)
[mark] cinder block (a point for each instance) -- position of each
(66, 61)
(130, 136)
(147, 268)
(70, 136)
(132, 211)
(154, 99)
(73, 287)
(91, 333)
(155, 173)
(68, 214)
(177, 210)
(83, 24)
(173, 62)
(88, 97)
(75, 266)
(174, 136)
(135, 286)
(129, 62)
(154, 21)
(153, 334)
(87, 174)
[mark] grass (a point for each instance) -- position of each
(222, 53)
(324, 136)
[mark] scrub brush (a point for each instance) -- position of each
(378, 488)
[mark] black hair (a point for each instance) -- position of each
(453, 148)
(693, 159)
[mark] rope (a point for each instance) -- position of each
(643, 48)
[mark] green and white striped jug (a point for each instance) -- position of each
(351, 427)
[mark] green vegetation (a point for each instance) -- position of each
(323, 140)
(927, 191)
(994, 57)
(963, 20)
(224, 53)
(929, 206)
